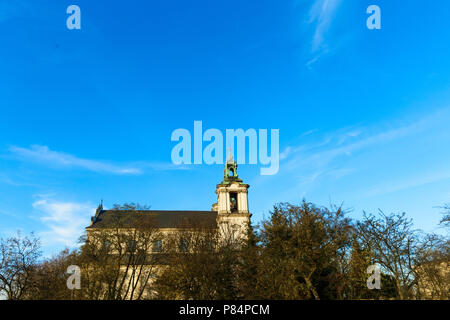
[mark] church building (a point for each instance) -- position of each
(229, 214)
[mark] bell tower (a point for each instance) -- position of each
(232, 201)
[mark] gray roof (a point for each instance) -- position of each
(157, 218)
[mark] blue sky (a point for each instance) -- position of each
(88, 114)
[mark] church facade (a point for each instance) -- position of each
(229, 214)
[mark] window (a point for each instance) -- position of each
(131, 246)
(210, 245)
(157, 246)
(183, 245)
(106, 245)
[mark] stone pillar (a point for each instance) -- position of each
(222, 200)
(241, 202)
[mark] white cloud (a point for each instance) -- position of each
(285, 153)
(418, 180)
(332, 155)
(322, 13)
(65, 221)
(321, 16)
(346, 142)
(43, 154)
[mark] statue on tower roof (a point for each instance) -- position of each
(230, 156)
(230, 171)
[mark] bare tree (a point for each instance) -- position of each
(18, 258)
(432, 268)
(117, 261)
(49, 277)
(445, 221)
(202, 263)
(394, 245)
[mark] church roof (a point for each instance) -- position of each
(160, 218)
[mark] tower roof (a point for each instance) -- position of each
(230, 172)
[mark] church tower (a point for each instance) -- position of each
(232, 202)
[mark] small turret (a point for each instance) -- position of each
(97, 213)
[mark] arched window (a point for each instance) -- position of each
(157, 246)
(233, 202)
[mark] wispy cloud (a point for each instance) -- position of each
(331, 155)
(411, 182)
(46, 156)
(321, 16)
(43, 154)
(65, 221)
(346, 142)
